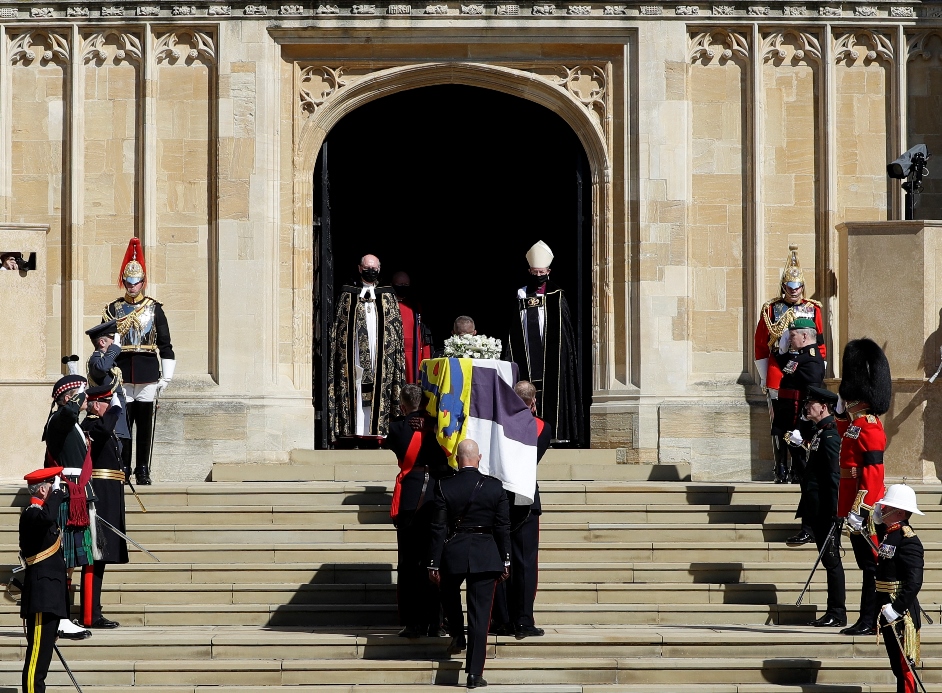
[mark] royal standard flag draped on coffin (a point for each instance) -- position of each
(475, 398)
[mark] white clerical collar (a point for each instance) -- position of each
(368, 289)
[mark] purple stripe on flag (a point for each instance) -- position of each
(494, 399)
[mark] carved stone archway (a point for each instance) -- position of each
(579, 95)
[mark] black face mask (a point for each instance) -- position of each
(369, 275)
(534, 282)
(403, 291)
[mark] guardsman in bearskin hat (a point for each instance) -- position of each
(44, 601)
(775, 319)
(865, 393)
(104, 413)
(900, 565)
(143, 335)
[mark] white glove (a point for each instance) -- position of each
(795, 437)
(855, 521)
(762, 366)
(167, 367)
(839, 407)
(773, 393)
(56, 483)
(783, 342)
(162, 385)
(889, 613)
(115, 401)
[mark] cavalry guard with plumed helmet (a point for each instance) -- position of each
(772, 337)
(143, 335)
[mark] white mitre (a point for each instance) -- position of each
(540, 255)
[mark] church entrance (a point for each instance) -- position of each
(452, 184)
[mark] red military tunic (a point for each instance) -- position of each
(863, 442)
(772, 315)
(416, 350)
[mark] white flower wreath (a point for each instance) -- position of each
(478, 346)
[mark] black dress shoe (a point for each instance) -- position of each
(142, 479)
(411, 632)
(521, 632)
(475, 681)
(79, 635)
(436, 632)
(860, 628)
(803, 537)
(104, 623)
(829, 621)
(457, 645)
(501, 629)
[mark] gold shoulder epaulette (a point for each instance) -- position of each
(871, 418)
(908, 531)
(817, 303)
(770, 302)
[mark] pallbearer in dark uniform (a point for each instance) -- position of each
(104, 413)
(802, 366)
(44, 601)
(514, 598)
(818, 506)
(103, 370)
(899, 578)
(144, 335)
(422, 462)
(865, 391)
(543, 346)
(471, 544)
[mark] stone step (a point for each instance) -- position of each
(863, 687)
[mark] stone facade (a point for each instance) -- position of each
(716, 135)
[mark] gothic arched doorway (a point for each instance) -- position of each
(452, 184)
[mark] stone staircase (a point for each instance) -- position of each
(277, 578)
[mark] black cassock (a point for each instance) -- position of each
(549, 360)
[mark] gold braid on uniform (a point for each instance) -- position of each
(783, 323)
(911, 643)
(131, 320)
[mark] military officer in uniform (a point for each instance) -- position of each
(144, 335)
(104, 413)
(471, 544)
(102, 369)
(422, 462)
(771, 337)
(900, 564)
(44, 601)
(865, 391)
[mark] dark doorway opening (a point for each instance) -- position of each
(453, 184)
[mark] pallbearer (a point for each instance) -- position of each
(104, 413)
(44, 601)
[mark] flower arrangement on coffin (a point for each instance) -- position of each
(467, 346)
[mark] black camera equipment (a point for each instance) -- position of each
(911, 166)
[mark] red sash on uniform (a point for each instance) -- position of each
(408, 462)
(540, 425)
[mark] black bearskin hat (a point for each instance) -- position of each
(865, 375)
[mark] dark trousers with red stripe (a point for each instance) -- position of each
(41, 632)
(480, 596)
(905, 681)
(513, 599)
(92, 576)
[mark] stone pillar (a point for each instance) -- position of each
(24, 386)
(891, 291)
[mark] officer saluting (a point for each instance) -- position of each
(44, 600)
(470, 543)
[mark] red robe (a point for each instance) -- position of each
(773, 310)
(415, 347)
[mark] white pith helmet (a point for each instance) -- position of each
(900, 496)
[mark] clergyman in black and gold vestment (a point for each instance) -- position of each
(543, 346)
(367, 364)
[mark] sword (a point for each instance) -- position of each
(67, 670)
(126, 537)
(902, 653)
(153, 429)
(134, 491)
(824, 547)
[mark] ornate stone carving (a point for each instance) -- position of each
(317, 84)
(934, 12)
(508, 9)
(112, 11)
(759, 11)
(167, 46)
(183, 11)
(255, 10)
(808, 45)
(148, 11)
(794, 11)
(220, 10)
(7, 13)
(615, 10)
(129, 46)
(830, 11)
(918, 45)
(902, 12)
(364, 9)
(328, 9)
(472, 9)
(22, 47)
(588, 84)
(544, 9)
(724, 10)
(291, 10)
(580, 10)
(41, 12)
(865, 11)
(399, 9)
(652, 10)
(703, 45)
(76, 12)
(880, 46)
(687, 10)
(436, 9)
